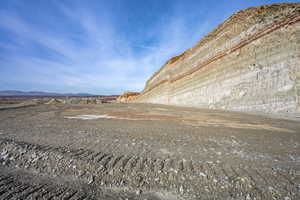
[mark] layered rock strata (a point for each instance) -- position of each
(251, 62)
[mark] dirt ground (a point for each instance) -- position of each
(146, 151)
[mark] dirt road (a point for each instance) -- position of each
(145, 151)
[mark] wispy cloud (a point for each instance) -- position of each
(95, 58)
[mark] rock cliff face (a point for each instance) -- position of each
(251, 62)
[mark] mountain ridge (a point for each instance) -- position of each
(40, 93)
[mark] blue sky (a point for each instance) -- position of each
(100, 46)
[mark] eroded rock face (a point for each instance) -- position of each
(127, 96)
(249, 63)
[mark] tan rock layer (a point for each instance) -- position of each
(257, 38)
(241, 17)
(289, 20)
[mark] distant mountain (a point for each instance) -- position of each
(39, 93)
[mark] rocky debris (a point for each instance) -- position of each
(19, 105)
(55, 101)
(82, 101)
(19, 184)
(24, 101)
(165, 156)
(182, 178)
(79, 100)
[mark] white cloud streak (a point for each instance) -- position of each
(103, 62)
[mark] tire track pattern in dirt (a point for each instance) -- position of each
(11, 188)
(186, 178)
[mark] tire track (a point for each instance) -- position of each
(135, 172)
(256, 185)
(14, 189)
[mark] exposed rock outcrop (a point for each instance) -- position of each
(251, 62)
(127, 96)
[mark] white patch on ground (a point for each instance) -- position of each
(202, 174)
(166, 151)
(86, 117)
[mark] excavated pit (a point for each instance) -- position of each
(146, 151)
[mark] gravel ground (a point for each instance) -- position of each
(146, 151)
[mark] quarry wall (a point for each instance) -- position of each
(251, 62)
